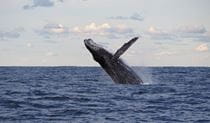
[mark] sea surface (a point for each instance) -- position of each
(88, 95)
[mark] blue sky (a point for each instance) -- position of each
(51, 32)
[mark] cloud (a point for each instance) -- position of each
(13, 34)
(167, 53)
(41, 3)
(195, 33)
(192, 29)
(105, 30)
(135, 16)
(119, 18)
(158, 34)
(102, 30)
(49, 54)
(202, 38)
(29, 45)
(162, 54)
(202, 48)
(53, 30)
(10, 34)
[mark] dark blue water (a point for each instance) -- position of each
(87, 94)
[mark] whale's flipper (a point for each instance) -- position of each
(124, 48)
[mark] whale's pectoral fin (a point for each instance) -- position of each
(124, 48)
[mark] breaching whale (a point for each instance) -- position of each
(112, 64)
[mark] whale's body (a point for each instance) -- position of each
(112, 64)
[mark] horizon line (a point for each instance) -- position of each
(98, 66)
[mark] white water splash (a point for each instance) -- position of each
(145, 74)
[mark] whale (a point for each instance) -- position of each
(112, 64)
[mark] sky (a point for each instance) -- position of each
(51, 32)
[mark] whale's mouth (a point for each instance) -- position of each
(92, 45)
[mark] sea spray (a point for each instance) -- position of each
(145, 74)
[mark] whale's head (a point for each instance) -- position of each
(98, 52)
(92, 46)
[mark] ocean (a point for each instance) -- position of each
(88, 95)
